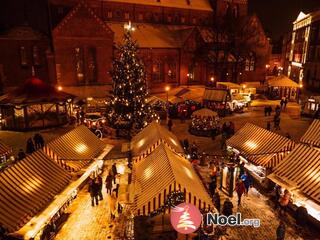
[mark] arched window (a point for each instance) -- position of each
(157, 71)
(250, 63)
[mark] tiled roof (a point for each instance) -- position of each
(184, 4)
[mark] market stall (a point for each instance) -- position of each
(312, 107)
(261, 151)
(34, 105)
(300, 175)
(175, 174)
(282, 86)
(232, 87)
(5, 151)
(312, 135)
(217, 100)
(27, 187)
(150, 137)
(204, 122)
(75, 149)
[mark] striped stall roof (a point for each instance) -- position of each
(160, 173)
(312, 135)
(300, 169)
(215, 95)
(27, 187)
(151, 136)
(260, 146)
(4, 149)
(75, 149)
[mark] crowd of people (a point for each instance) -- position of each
(112, 189)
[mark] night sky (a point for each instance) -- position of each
(276, 15)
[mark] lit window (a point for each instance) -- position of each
(109, 14)
(169, 19)
(23, 56)
(140, 17)
(157, 72)
(126, 16)
(183, 20)
(194, 20)
(79, 64)
(36, 56)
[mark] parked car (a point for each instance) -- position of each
(94, 120)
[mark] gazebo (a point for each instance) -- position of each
(35, 105)
(282, 86)
(204, 123)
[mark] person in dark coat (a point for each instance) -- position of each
(186, 144)
(114, 172)
(247, 182)
(100, 183)
(213, 185)
(21, 155)
(281, 231)
(240, 189)
(278, 193)
(269, 110)
(30, 146)
(94, 191)
(38, 141)
(301, 216)
(242, 169)
(217, 201)
(281, 103)
(278, 110)
(227, 208)
(109, 183)
(170, 124)
(266, 109)
(285, 102)
(268, 126)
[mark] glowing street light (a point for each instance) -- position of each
(59, 88)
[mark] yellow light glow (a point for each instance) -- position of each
(167, 88)
(301, 85)
(90, 98)
(251, 144)
(80, 148)
(147, 173)
(212, 79)
(188, 172)
(244, 86)
(121, 169)
(59, 88)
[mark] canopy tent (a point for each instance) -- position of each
(282, 81)
(263, 148)
(150, 137)
(27, 187)
(312, 135)
(204, 113)
(162, 172)
(229, 85)
(75, 149)
(215, 95)
(300, 171)
(35, 104)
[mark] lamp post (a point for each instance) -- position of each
(167, 103)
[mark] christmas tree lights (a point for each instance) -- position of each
(127, 108)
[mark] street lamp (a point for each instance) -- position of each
(167, 90)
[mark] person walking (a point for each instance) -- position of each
(217, 201)
(30, 146)
(170, 124)
(284, 201)
(94, 189)
(301, 216)
(114, 172)
(109, 183)
(227, 208)
(247, 182)
(285, 102)
(281, 231)
(213, 186)
(100, 183)
(281, 103)
(240, 189)
(277, 110)
(113, 205)
(266, 109)
(269, 110)
(268, 126)
(21, 155)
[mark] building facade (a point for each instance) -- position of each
(179, 42)
(304, 55)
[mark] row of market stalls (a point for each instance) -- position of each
(35, 191)
(271, 158)
(160, 168)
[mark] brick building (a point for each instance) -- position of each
(181, 42)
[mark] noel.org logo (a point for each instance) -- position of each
(185, 218)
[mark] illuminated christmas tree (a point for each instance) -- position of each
(128, 108)
(185, 222)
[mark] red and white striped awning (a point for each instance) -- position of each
(27, 187)
(150, 137)
(260, 146)
(300, 170)
(162, 172)
(312, 135)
